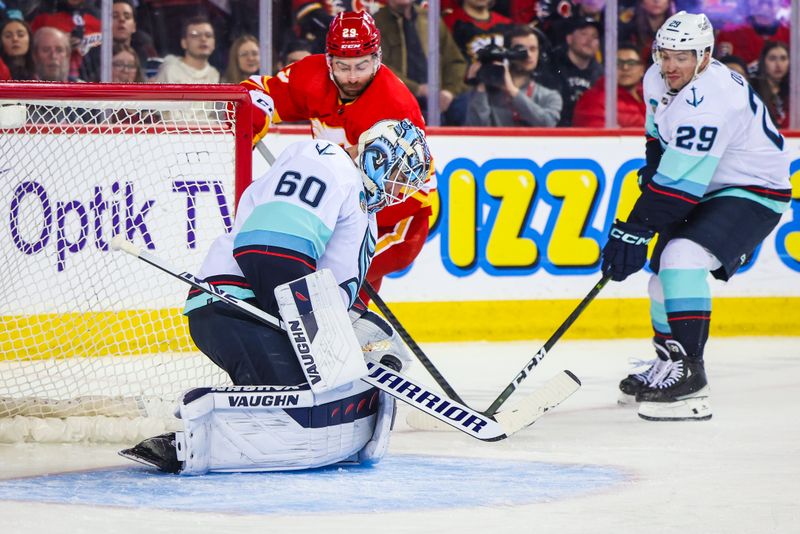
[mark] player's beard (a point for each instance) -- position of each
(351, 90)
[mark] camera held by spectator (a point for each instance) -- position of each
(493, 59)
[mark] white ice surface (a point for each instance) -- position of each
(738, 473)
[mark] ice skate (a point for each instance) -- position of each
(682, 394)
(652, 371)
(158, 451)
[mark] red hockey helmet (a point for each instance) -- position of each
(353, 34)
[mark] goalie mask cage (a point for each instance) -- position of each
(93, 345)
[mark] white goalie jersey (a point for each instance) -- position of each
(309, 207)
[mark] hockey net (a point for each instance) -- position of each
(93, 345)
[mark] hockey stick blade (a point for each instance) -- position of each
(525, 413)
(542, 352)
(531, 408)
(399, 386)
(445, 411)
(411, 344)
(421, 422)
(558, 389)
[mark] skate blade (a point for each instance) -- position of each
(692, 409)
(131, 455)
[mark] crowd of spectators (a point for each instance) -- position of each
(502, 62)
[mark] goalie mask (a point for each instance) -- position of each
(394, 160)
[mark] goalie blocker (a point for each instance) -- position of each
(320, 331)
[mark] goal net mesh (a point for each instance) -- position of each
(93, 344)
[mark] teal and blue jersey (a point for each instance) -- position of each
(717, 139)
(308, 212)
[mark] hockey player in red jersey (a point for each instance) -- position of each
(343, 93)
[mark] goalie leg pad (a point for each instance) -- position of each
(376, 447)
(273, 428)
(320, 331)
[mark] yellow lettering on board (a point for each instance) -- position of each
(628, 194)
(792, 240)
(505, 248)
(577, 188)
(436, 207)
(462, 213)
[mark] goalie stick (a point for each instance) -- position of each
(265, 152)
(399, 386)
(420, 422)
(411, 344)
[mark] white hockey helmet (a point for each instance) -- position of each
(685, 31)
(394, 160)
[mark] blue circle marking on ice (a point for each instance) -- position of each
(399, 482)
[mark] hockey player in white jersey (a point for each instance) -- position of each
(303, 238)
(715, 184)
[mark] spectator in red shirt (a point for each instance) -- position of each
(772, 82)
(591, 107)
(747, 39)
(17, 49)
(74, 19)
(5, 74)
(474, 26)
(519, 11)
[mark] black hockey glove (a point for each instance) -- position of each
(653, 152)
(626, 250)
(645, 175)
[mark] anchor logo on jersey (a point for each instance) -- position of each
(694, 102)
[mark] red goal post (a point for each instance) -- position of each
(92, 345)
